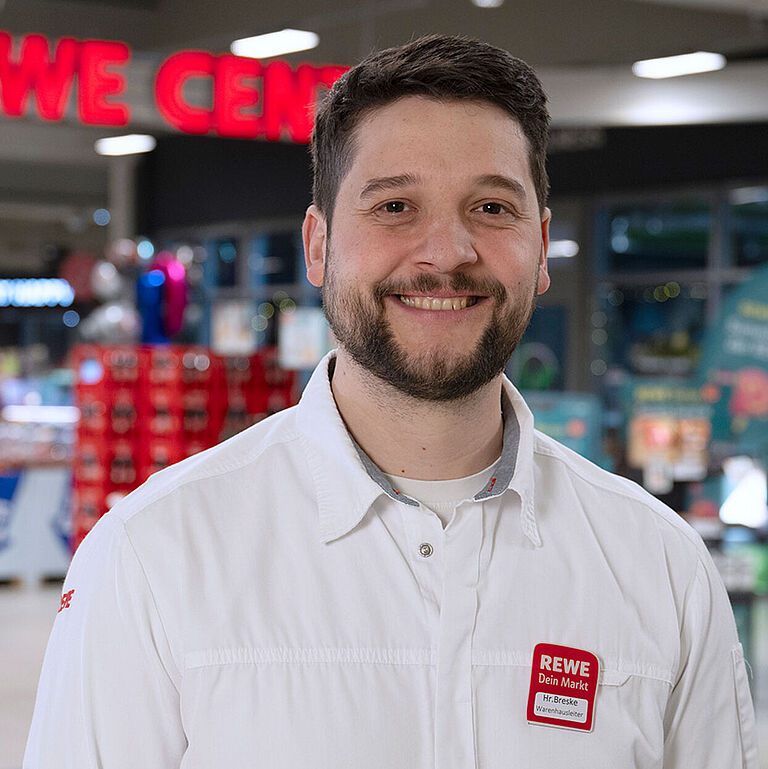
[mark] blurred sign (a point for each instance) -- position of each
(250, 99)
(8, 484)
(304, 338)
(286, 96)
(232, 331)
(35, 292)
(573, 419)
(670, 425)
(33, 69)
(734, 365)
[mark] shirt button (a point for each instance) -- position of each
(425, 550)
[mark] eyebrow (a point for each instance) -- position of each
(388, 183)
(505, 182)
(383, 183)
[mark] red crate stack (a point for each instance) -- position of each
(106, 386)
(280, 385)
(144, 408)
(257, 388)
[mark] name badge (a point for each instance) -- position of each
(563, 687)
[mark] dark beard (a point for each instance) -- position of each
(361, 328)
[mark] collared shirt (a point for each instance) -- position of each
(272, 602)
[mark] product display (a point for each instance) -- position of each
(143, 408)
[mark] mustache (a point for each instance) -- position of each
(426, 282)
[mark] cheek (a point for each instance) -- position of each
(371, 256)
(514, 272)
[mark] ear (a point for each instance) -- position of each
(543, 273)
(313, 233)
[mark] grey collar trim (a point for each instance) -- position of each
(499, 483)
(508, 462)
(376, 475)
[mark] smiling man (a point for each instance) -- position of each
(400, 571)
(429, 280)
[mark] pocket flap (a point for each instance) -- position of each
(612, 677)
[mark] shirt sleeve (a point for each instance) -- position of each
(709, 721)
(108, 694)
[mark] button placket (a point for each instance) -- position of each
(454, 724)
(425, 537)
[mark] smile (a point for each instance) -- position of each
(432, 303)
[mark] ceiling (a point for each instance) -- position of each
(547, 33)
(582, 50)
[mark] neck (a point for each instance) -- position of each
(418, 439)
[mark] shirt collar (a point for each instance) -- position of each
(347, 482)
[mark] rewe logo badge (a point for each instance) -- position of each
(563, 687)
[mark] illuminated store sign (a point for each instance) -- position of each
(250, 99)
(36, 292)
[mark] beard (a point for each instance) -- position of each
(359, 323)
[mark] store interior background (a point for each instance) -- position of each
(660, 242)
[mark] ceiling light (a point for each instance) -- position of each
(674, 66)
(562, 248)
(131, 144)
(745, 195)
(275, 43)
(488, 3)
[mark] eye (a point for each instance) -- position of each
(393, 207)
(494, 208)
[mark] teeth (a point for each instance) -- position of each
(430, 303)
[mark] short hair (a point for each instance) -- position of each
(443, 67)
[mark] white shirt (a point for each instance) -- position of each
(268, 603)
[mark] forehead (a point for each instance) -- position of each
(431, 135)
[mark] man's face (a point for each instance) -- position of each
(438, 248)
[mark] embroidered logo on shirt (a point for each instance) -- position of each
(65, 600)
(563, 687)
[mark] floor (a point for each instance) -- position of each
(26, 617)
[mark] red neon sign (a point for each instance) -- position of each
(97, 83)
(250, 99)
(50, 81)
(168, 87)
(240, 86)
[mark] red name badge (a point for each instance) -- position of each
(563, 687)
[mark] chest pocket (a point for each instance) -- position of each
(629, 716)
(627, 730)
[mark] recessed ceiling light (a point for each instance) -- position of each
(674, 66)
(131, 144)
(275, 43)
(488, 3)
(745, 195)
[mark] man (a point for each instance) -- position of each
(399, 571)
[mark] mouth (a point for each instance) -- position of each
(439, 303)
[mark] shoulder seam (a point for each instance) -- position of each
(687, 534)
(229, 468)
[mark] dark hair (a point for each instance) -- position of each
(437, 66)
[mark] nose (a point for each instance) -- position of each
(446, 246)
